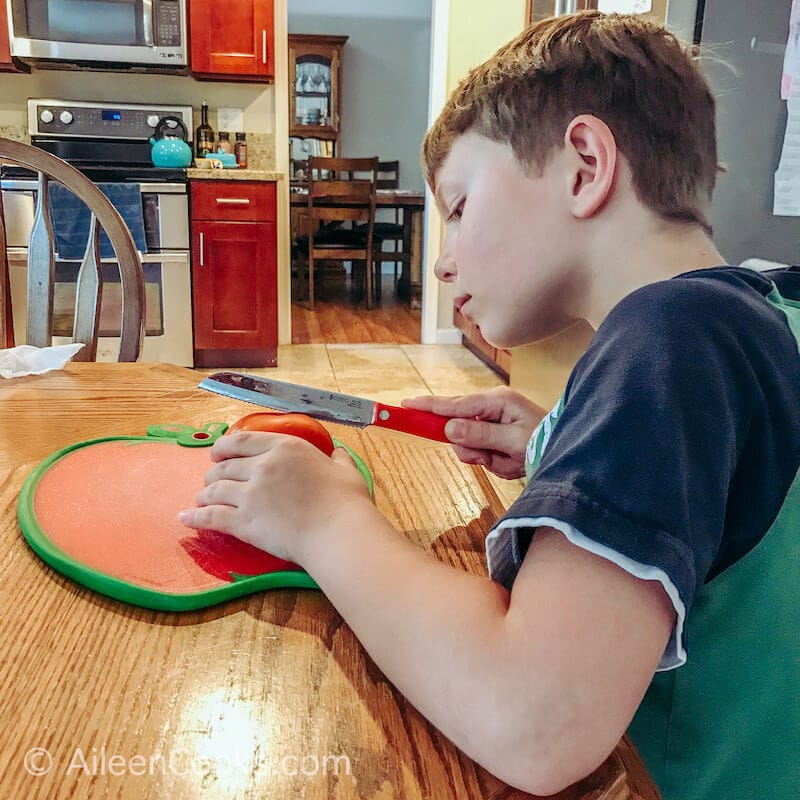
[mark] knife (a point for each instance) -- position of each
(345, 409)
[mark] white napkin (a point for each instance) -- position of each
(28, 360)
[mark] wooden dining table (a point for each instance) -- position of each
(266, 696)
(412, 204)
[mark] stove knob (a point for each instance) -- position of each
(152, 120)
(46, 116)
(66, 117)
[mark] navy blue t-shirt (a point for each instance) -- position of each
(676, 439)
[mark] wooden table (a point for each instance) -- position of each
(269, 696)
(412, 204)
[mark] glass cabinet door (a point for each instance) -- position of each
(312, 91)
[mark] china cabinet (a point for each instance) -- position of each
(315, 63)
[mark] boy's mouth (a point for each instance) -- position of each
(460, 302)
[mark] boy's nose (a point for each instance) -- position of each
(445, 268)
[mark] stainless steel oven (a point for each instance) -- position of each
(151, 32)
(164, 242)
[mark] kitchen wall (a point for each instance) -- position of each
(475, 30)
(385, 74)
(256, 100)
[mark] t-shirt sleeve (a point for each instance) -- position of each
(641, 460)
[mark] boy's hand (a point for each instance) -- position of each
(490, 428)
(275, 491)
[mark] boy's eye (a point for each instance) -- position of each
(457, 211)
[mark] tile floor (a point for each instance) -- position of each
(388, 373)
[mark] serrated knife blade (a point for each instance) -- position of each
(323, 404)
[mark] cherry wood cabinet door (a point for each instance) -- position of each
(234, 285)
(232, 37)
(6, 64)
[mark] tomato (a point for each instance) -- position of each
(293, 424)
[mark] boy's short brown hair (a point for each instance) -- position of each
(625, 69)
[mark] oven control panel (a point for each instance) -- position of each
(64, 118)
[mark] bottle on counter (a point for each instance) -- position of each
(224, 143)
(204, 136)
(241, 151)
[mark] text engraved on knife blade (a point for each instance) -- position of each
(288, 391)
(345, 400)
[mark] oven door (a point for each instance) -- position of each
(168, 293)
(121, 31)
(168, 305)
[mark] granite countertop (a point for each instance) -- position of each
(234, 174)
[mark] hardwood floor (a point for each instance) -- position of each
(336, 319)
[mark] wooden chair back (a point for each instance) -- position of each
(388, 174)
(41, 261)
(392, 230)
(341, 190)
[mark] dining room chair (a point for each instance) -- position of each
(393, 230)
(41, 261)
(341, 193)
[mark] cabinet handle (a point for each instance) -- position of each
(202, 252)
(233, 201)
(264, 45)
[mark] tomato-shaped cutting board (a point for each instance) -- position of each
(105, 513)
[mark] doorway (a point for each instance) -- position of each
(383, 112)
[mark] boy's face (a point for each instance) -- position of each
(508, 241)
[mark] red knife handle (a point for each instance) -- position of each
(408, 420)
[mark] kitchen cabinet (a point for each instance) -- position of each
(232, 38)
(6, 62)
(315, 67)
(496, 358)
(234, 273)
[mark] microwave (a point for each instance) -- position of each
(99, 32)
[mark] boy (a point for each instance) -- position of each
(575, 170)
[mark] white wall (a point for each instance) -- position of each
(385, 66)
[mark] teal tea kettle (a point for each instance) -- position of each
(169, 148)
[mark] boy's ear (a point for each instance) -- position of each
(594, 166)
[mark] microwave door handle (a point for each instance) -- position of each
(147, 21)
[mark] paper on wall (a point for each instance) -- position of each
(786, 197)
(791, 60)
(786, 200)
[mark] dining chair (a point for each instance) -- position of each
(89, 287)
(340, 191)
(390, 231)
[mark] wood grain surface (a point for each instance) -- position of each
(270, 696)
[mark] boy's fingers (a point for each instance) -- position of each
(471, 405)
(469, 456)
(341, 455)
(497, 463)
(483, 435)
(427, 402)
(235, 469)
(219, 493)
(215, 518)
(243, 443)
(494, 404)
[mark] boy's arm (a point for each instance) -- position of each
(537, 685)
